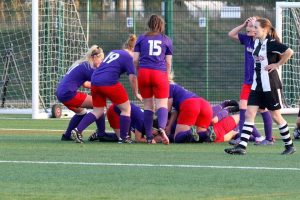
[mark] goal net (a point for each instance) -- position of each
(60, 42)
(288, 28)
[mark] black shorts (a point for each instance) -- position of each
(269, 100)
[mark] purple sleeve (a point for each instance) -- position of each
(242, 38)
(130, 66)
(169, 49)
(137, 47)
(171, 91)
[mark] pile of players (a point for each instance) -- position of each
(181, 115)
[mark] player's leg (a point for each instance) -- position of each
(255, 100)
(125, 121)
(224, 129)
(272, 103)
(161, 93)
(118, 95)
(99, 102)
(267, 119)
(284, 131)
(203, 120)
(246, 132)
(187, 116)
(162, 117)
(77, 105)
(183, 133)
(145, 88)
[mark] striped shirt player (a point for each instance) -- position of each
(247, 40)
(152, 57)
(268, 55)
(192, 110)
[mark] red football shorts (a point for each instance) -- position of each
(245, 91)
(222, 127)
(116, 93)
(76, 101)
(195, 111)
(153, 83)
(113, 117)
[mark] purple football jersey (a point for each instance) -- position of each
(153, 50)
(179, 94)
(248, 42)
(72, 81)
(112, 67)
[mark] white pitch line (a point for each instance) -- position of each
(149, 165)
(24, 129)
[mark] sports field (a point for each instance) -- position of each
(35, 164)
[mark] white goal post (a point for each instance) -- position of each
(288, 29)
(39, 39)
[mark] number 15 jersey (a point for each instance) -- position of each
(153, 50)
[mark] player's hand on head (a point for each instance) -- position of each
(250, 19)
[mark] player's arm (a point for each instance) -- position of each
(229, 135)
(87, 84)
(169, 63)
(134, 86)
(171, 121)
(234, 33)
(136, 56)
(138, 137)
(285, 56)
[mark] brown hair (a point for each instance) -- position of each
(156, 24)
(265, 23)
(130, 42)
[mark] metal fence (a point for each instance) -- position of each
(206, 61)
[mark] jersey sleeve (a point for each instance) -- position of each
(137, 47)
(277, 47)
(243, 38)
(130, 66)
(171, 91)
(169, 45)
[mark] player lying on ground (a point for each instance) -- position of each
(222, 128)
(136, 126)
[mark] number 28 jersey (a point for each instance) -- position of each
(153, 50)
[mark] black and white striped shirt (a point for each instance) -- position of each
(265, 53)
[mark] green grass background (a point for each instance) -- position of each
(62, 181)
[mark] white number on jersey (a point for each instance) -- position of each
(111, 57)
(154, 48)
